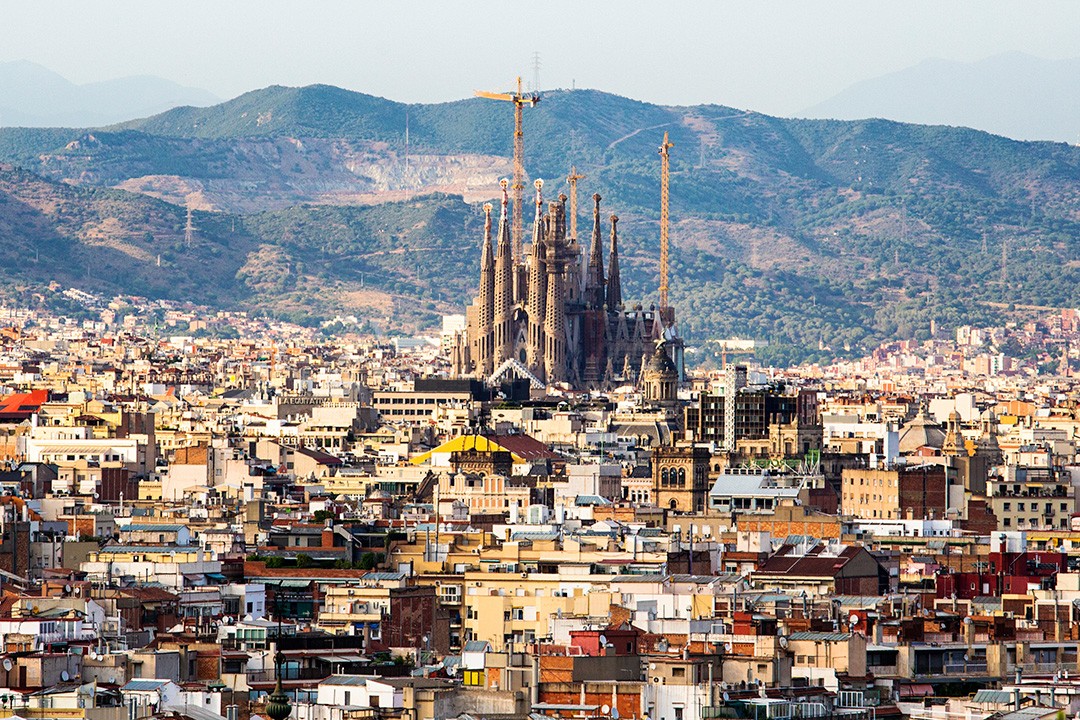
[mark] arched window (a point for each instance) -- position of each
(682, 477)
(664, 478)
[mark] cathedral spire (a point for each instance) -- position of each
(485, 302)
(537, 296)
(594, 281)
(504, 284)
(614, 282)
(487, 257)
(555, 306)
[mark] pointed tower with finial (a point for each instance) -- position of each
(614, 281)
(278, 707)
(483, 345)
(594, 280)
(537, 295)
(504, 285)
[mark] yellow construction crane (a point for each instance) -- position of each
(572, 179)
(520, 100)
(665, 174)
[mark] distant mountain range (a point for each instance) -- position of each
(1013, 94)
(34, 96)
(821, 237)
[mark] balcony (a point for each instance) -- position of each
(267, 676)
(1046, 668)
(971, 669)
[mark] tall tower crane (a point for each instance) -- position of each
(665, 174)
(572, 179)
(520, 100)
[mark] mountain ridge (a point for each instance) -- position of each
(57, 101)
(1012, 94)
(805, 233)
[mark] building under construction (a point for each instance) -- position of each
(554, 315)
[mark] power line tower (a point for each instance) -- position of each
(520, 100)
(665, 174)
(1004, 265)
(536, 72)
(572, 179)
(189, 229)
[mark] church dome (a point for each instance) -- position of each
(661, 365)
(921, 432)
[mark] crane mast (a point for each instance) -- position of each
(664, 178)
(520, 100)
(572, 179)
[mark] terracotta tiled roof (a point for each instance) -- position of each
(21, 406)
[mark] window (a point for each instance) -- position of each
(678, 672)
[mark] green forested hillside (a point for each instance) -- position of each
(805, 233)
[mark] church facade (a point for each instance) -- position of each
(555, 315)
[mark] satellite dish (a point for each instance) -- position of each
(64, 675)
(967, 657)
(603, 643)
(614, 713)
(728, 647)
(605, 709)
(968, 621)
(726, 696)
(853, 620)
(8, 664)
(78, 591)
(783, 642)
(67, 588)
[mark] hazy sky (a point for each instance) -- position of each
(768, 55)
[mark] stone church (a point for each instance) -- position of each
(556, 315)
